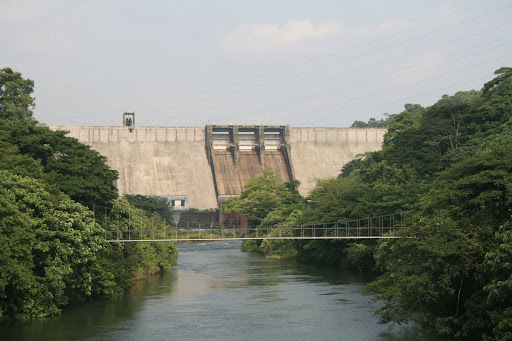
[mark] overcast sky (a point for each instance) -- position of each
(301, 63)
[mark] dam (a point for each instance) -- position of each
(200, 167)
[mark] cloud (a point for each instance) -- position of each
(264, 38)
(53, 29)
(302, 35)
(17, 13)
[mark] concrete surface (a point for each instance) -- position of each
(320, 153)
(173, 161)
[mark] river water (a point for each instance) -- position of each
(217, 292)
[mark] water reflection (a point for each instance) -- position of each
(90, 321)
(219, 293)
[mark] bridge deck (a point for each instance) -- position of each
(287, 233)
(244, 238)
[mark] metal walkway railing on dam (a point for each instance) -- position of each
(385, 226)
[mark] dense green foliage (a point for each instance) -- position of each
(141, 259)
(437, 280)
(45, 262)
(52, 247)
(266, 202)
(15, 100)
(498, 265)
(72, 167)
(151, 205)
(450, 166)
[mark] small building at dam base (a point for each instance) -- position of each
(200, 167)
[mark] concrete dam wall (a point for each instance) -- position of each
(201, 166)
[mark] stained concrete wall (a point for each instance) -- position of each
(230, 179)
(154, 160)
(172, 160)
(319, 153)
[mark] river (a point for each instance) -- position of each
(217, 292)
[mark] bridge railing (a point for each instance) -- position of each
(385, 226)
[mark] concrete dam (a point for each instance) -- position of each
(199, 167)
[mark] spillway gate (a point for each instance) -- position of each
(238, 153)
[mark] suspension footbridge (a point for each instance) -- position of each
(385, 226)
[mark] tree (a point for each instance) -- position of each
(437, 279)
(51, 250)
(150, 205)
(352, 166)
(414, 108)
(497, 108)
(74, 168)
(15, 100)
(499, 300)
(138, 260)
(280, 220)
(359, 124)
(53, 253)
(504, 75)
(374, 123)
(408, 118)
(421, 140)
(260, 196)
(16, 260)
(11, 158)
(448, 119)
(268, 203)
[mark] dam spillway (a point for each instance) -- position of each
(201, 166)
(237, 154)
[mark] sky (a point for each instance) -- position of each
(298, 63)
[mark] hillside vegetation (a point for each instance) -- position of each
(450, 167)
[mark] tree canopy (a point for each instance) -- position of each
(150, 205)
(16, 102)
(450, 167)
(52, 250)
(262, 196)
(72, 167)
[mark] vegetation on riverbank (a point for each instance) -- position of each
(52, 247)
(450, 166)
(151, 205)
